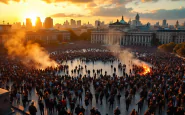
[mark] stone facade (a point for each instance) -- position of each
(48, 36)
(108, 37)
(122, 38)
(167, 36)
(5, 33)
(137, 38)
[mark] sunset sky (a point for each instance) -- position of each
(90, 10)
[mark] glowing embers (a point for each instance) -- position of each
(146, 70)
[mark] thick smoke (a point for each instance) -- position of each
(128, 58)
(30, 54)
(125, 55)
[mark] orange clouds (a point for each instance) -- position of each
(74, 1)
(7, 1)
(149, 0)
(58, 15)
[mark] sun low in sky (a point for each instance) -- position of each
(90, 10)
(33, 16)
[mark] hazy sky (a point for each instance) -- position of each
(90, 10)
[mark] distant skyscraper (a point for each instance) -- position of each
(130, 21)
(16, 25)
(28, 23)
(157, 24)
(164, 23)
(177, 24)
(96, 23)
(48, 23)
(79, 23)
(73, 23)
(38, 23)
(67, 23)
(102, 23)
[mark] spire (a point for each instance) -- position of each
(137, 17)
(117, 20)
(122, 17)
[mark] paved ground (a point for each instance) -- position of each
(104, 108)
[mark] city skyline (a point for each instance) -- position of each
(91, 10)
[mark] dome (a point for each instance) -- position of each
(122, 21)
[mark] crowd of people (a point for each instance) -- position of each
(162, 88)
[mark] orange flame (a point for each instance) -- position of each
(146, 70)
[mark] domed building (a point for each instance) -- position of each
(120, 25)
(123, 21)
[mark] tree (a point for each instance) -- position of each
(181, 51)
(167, 47)
(177, 47)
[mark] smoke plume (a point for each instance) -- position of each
(30, 54)
(126, 57)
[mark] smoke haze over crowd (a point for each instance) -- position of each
(126, 57)
(30, 54)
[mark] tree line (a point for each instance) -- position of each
(174, 48)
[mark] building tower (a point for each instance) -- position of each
(28, 23)
(164, 23)
(38, 23)
(78, 23)
(98, 25)
(130, 21)
(177, 24)
(137, 17)
(48, 23)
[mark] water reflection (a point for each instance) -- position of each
(97, 65)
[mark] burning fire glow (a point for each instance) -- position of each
(146, 70)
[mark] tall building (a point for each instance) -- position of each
(102, 23)
(16, 25)
(129, 22)
(66, 24)
(157, 24)
(96, 23)
(28, 23)
(164, 23)
(38, 23)
(136, 22)
(73, 23)
(48, 23)
(177, 24)
(78, 23)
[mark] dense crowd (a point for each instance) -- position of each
(161, 88)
